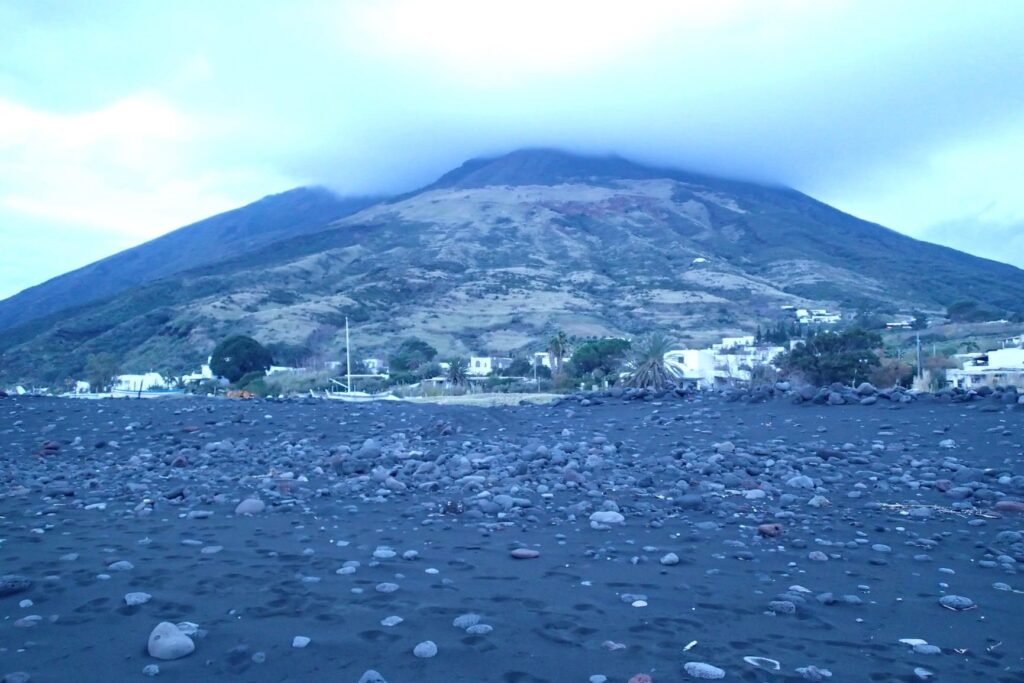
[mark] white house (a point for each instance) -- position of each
(376, 366)
(998, 367)
(204, 373)
(543, 359)
(731, 360)
(149, 380)
(480, 366)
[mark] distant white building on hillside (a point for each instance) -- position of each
(543, 359)
(730, 361)
(820, 316)
(480, 366)
(999, 367)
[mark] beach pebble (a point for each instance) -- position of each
(150, 670)
(391, 621)
(16, 677)
(602, 519)
(138, 598)
(703, 671)
(813, 673)
(300, 641)
(464, 621)
(956, 602)
(11, 584)
(121, 566)
(168, 642)
(371, 676)
(525, 553)
(669, 559)
(426, 649)
(250, 506)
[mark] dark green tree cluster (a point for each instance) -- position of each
(600, 357)
(826, 357)
(238, 356)
(523, 367)
(100, 370)
(779, 333)
(412, 361)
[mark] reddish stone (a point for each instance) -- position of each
(1010, 506)
(943, 485)
(525, 554)
(640, 678)
(769, 530)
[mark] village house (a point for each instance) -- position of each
(1000, 367)
(820, 316)
(481, 366)
(731, 361)
(376, 366)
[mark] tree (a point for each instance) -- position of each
(602, 355)
(520, 367)
(649, 371)
(456, 375)
(558, 345)
(410, 355)
(238, 356)
(828, 357)
(100, 371)
(920, 321)
(970, 346)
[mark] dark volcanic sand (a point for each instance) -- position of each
(554, 617)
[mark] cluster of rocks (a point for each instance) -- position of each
(835, 394)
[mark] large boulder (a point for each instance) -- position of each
(167, 641)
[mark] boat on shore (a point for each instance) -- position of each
(147, 393)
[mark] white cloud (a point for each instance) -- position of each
(127, 168)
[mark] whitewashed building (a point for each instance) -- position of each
(376, 366)
(999, 367)
(143, 382)
(730, 361)
(480, 366)
(204, 373)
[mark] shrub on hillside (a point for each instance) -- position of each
(238, 356)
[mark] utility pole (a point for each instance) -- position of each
(920, 370)
(348, 359)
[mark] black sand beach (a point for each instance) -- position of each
(371, 511)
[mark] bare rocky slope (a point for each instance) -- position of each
(499, 252)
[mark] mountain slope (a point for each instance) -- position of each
(222, 236)
(498, 253)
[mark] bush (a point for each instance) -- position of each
(411, 354)
(238, 356)
(829, 357)
(605, 355)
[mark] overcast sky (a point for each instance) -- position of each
(122, 121)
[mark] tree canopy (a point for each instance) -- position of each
(238, 356)
(410, 355)
(605, 355)
(828, 357)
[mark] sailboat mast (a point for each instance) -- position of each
(348, 358)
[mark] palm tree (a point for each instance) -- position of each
(649, 370)
(456, 375)
(557, 347)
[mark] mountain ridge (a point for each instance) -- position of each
(206, 241)
(498, 253)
